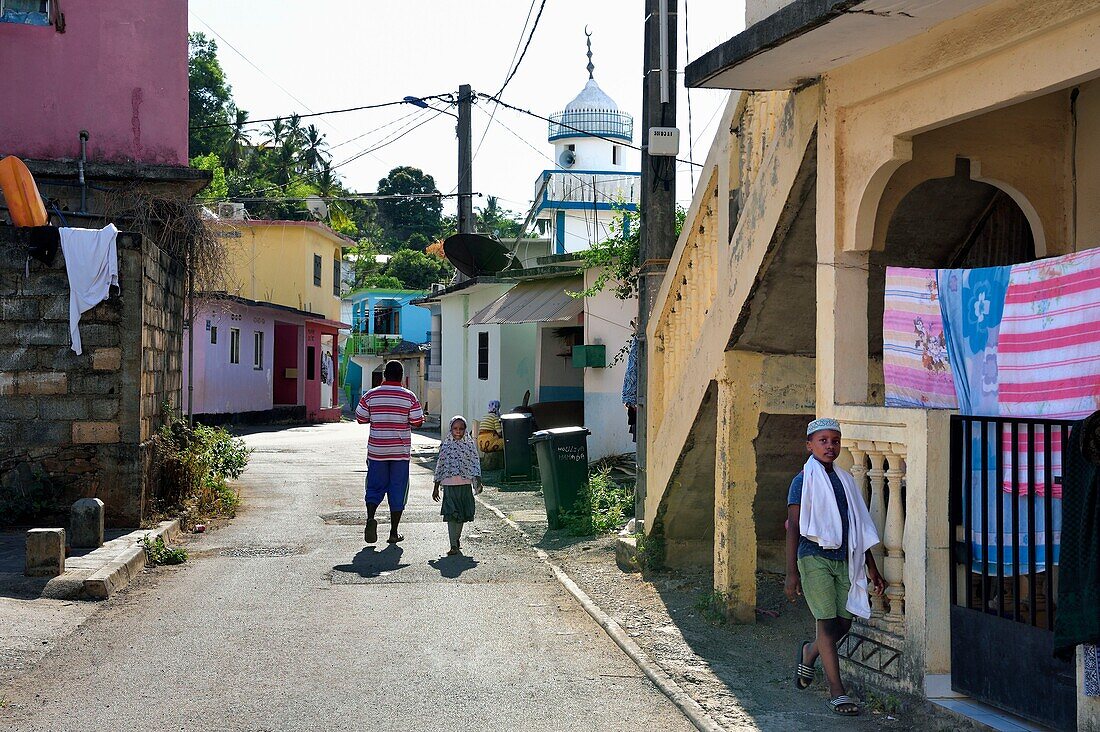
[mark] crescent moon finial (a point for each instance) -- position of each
(588, 38)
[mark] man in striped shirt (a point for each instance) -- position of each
(392, 412)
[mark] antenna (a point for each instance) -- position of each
(317, 206)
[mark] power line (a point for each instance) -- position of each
(446, 97)
(585, 133)
(253, 65)
(534, 27)
(376, 129)
(390, 141)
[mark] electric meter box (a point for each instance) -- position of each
(664, 141)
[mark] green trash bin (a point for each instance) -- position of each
(563, 464)
(517, 448)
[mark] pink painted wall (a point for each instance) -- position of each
(222, 387)
(119, 71)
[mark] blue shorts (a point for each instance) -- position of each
(388, 479)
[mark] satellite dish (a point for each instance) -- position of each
(317, 206)
(567, 159)
(476, 255)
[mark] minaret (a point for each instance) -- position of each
(590, 179)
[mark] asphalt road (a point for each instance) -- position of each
(285, 621)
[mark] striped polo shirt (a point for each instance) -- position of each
(392, 411)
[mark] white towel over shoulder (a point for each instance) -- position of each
(819, 521)
(91, 262)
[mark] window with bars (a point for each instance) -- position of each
(483, 356)
(213, 335)
(316, 270)
(234, 345)
(336, 276)
(258, 349)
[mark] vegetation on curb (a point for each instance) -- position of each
(712, 606)
(601, 508)
(158, 553)
(650, 551)
(196, 464)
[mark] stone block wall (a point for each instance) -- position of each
(79, 426)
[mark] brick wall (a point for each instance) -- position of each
(83, 422)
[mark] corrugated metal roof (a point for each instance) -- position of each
(538, 301)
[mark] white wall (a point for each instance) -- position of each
(607, 322)
(458, 365)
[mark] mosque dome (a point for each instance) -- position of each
(591, 113)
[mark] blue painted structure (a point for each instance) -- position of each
(372, 313)
(413, 322)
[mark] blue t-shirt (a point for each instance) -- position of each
(808, 548)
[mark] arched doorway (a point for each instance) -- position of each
(944, 223)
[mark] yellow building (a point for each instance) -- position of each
(291, 263)
(861, 135)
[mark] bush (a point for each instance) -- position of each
(158, 553)
(196, 464)
(602, 507)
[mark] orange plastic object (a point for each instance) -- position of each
(21, 193)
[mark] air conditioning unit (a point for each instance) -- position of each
(438, 287)
(230, 210)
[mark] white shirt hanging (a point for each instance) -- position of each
(91, 263)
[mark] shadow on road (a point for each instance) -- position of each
(372, 563)
(452, 567)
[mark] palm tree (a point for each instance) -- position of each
(276, 131)
(327, 181)
(313, 148)
(293, 132)
(284, 164)
(237, 142)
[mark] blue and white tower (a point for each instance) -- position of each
(591, 183)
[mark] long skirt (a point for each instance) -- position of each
(458, 503)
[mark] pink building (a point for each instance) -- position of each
(116, 68)
(261, 362)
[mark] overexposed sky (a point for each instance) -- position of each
(332, 54)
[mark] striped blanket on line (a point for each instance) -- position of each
(914, 347)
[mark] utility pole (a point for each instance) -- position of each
(465, 161)
(658, 200)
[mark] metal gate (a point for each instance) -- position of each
(1006, 515)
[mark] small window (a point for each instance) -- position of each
(316, 270)
(258, 350)
(483, 356)
(572, 148)
(25, 12)
(234, 345)
(616, 155)
(213, 335)
(336, 277)
(311, 368)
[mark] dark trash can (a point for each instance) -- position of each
(563, 465)
(517, 447)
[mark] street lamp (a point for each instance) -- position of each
(419, 102)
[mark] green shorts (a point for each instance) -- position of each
(825, 585)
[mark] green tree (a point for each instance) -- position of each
(402, 217)
(218, 189)
(276, 132)
(209, 98)
(416, 270)
(313, 149)
(499, 222)
(238, 141)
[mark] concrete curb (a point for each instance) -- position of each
(690, 708)
(118, 573)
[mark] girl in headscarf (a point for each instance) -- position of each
(490, 433)
(458, 470)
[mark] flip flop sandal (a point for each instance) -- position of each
(370, 531)
(844, 706)
(804, 675)
(395, 539)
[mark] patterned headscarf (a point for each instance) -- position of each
(457, 457)
(494, 407)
